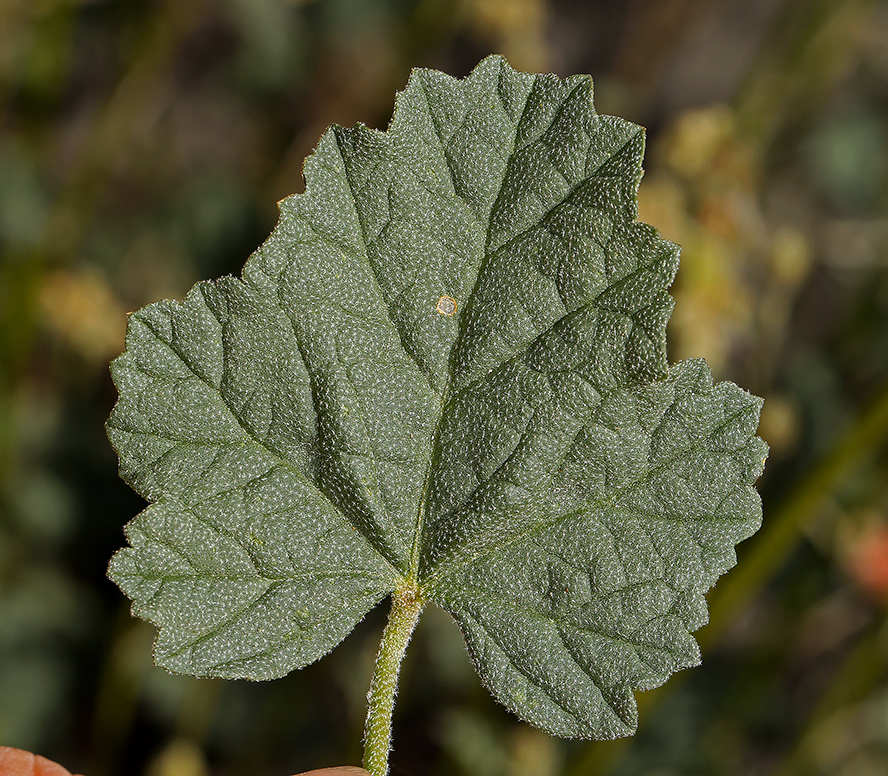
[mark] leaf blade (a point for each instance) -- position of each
(603, 591)
(444, 371)
(231, 491)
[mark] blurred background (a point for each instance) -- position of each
(143, 146)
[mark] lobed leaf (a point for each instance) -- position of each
(445, 368)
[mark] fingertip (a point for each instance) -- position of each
(18, 762)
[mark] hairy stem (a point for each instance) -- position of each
(404, 614)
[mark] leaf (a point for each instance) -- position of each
(445, 369)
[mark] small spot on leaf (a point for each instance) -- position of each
(446, 305)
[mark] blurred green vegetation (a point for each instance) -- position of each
(143, 145)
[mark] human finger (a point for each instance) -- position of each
(342, 770)
(18, 762)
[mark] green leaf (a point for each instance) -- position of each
(444, 371)
(583, 568)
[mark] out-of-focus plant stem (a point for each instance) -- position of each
(783, 527)
(806, 51)
(864, 666)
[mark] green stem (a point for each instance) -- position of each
(406, 608)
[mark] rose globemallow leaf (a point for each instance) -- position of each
(444, 372)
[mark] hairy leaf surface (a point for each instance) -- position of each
(445, 368)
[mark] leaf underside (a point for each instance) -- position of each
(446, 367)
